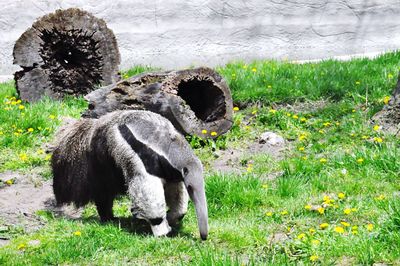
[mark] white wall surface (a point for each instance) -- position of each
(181, 33)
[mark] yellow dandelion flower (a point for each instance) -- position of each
(301, 236)
(321, 210)
(370, 227)
(265, 186)
(326, 124)
(288, 114)
(321, 131)
(324, 225)
(302, 137)
(269, 214)
(247, 127)
(307, 207)
(19, 101)
(311, 230)
(339, 229)
(315, 242)
(341, 195)
(19, 130)
(295, 116)
(30, 129)
(376, 127)
(378, 139)
(354, 227)
(380, 197)
(301, 149)
(213, 133)
(386, 99)
(314, 258)
(347, 211)
(364, 137)
(345, 224)
(20, 107)
(204, 131)
(254, 69)
(13, 103)
(323, 160)
(354, 232)
(235, 108)
(21, 246)
(303, 119)
(77, 233)
(23, 157)
(284, 212)
(272, 111)
(52, 117)
(10, 182)
(254, 112)
(16, 134)
(48, 157)
(244, 66)
(360, 160)
(353, 111)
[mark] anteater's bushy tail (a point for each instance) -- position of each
(71, 165)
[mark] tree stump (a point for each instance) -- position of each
(389, 117)
(66, 52)
(194, 100)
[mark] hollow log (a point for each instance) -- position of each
(389, 117)
(194, 100)
(68, 52)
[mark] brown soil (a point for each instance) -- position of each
(20, 201)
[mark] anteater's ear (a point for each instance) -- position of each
(185, 172)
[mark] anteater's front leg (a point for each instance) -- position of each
(148, 202)
(177, 199)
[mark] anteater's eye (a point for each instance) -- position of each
(185, 171)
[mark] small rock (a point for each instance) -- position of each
(271, 138)
(34, 243)
(278, 238)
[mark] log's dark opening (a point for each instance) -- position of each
(73, 58)
(205, 99)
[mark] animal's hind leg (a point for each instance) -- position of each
(104, 206)
(148, 202)
(177, 199)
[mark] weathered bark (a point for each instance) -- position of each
(66, 52)
(389, 117)
(193, 100)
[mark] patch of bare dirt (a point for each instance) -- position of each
(304, 107)
(229, 160)
(20, 199)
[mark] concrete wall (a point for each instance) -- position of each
(180, 33)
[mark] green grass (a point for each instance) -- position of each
(332, 150)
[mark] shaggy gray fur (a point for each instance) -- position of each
(95, 160)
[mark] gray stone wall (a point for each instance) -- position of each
(182, 33)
